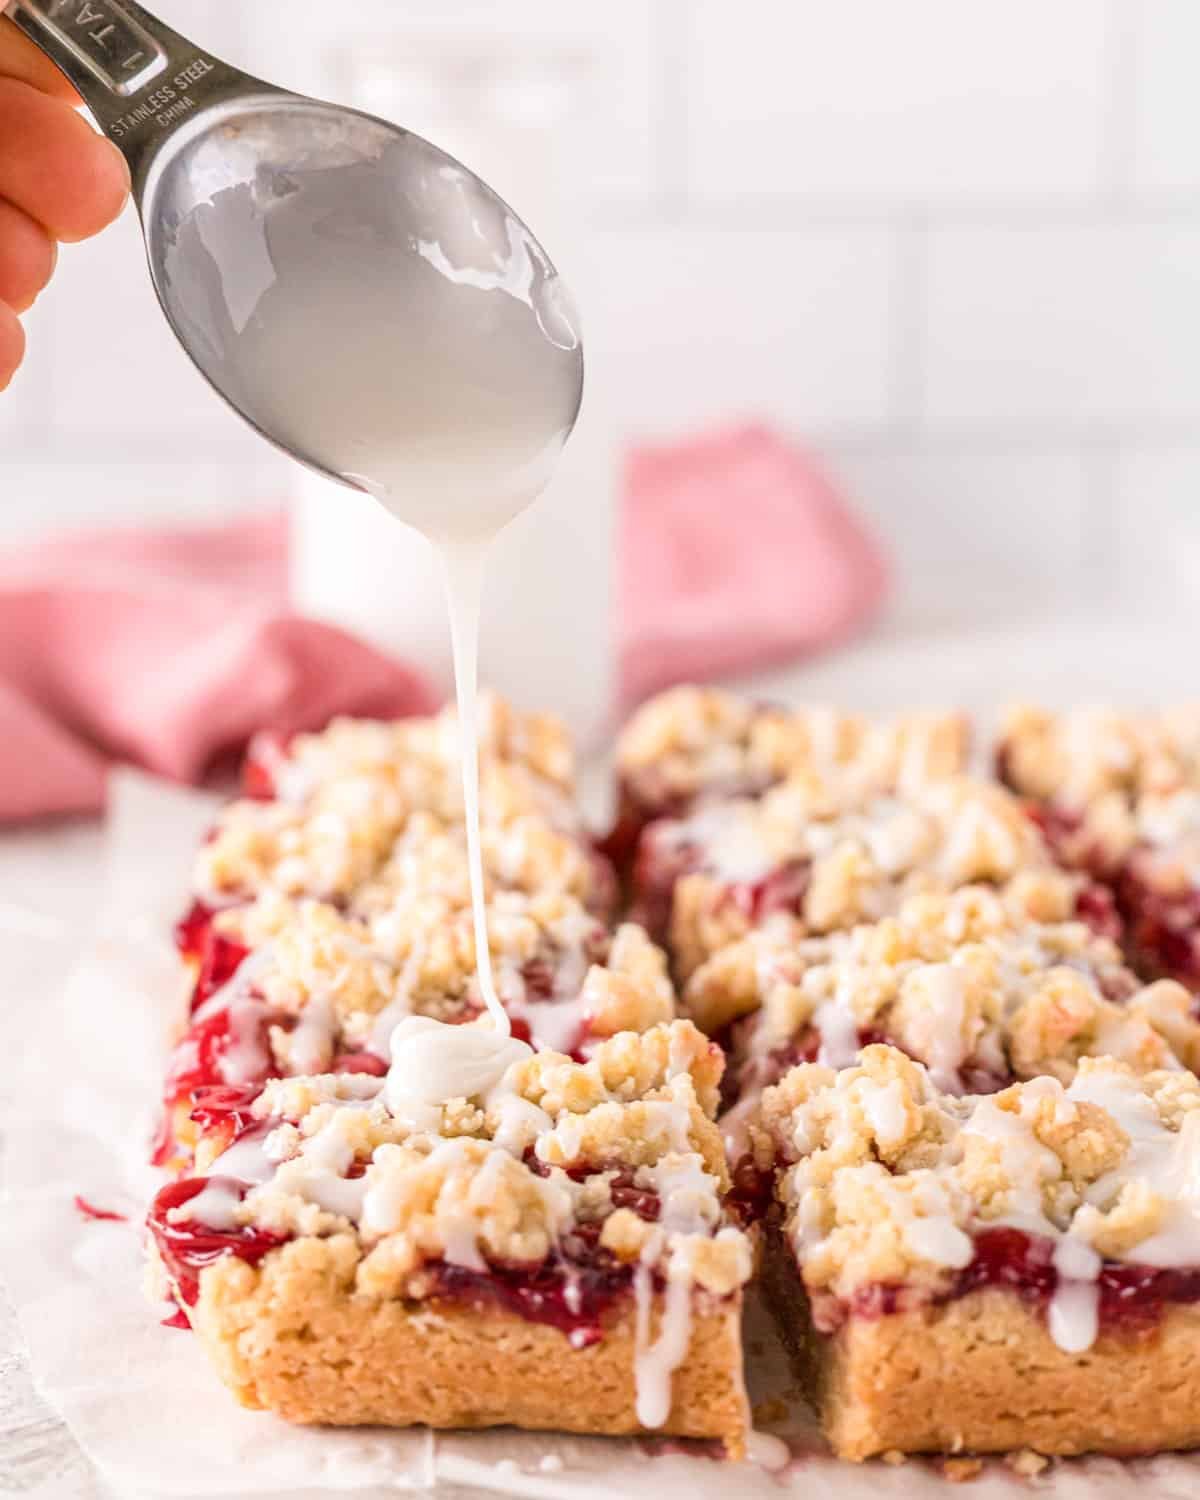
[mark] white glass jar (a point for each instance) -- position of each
(547, 626)
(547, 631)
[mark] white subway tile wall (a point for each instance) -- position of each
(951, 245)
(711, 324)
(1165, 145)
(879, 103)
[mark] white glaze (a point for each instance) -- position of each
(944, 996)
(731, 836)
(308, 1047)
(433, 1062)
(215, 1205)
(1073, 1316)
(655, 1362)
(462, 569)
(838, 1026)
(768, 1452)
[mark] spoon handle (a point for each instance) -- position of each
(141, 80)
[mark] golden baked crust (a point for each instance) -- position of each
(981, 1374)
(316, 1351)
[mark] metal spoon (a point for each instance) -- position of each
(225, 168)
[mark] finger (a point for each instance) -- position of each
(54, 165)
(27, 257)
(19, 58)
(12, 344)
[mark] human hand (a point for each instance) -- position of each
(59, 181)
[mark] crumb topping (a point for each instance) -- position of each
(523, 852)
(961, 981)
(501, 1179)
(886, 1179)
(690, 741)
(1076, 757)
(344, 796)
(817, 848)
(332, 981)
(388, 749)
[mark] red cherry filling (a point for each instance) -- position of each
(359, 1062)
(642, 1201)
(1059, 826)
(641, 800)
(226, 1108)
(1131, 1297)
(217, 957)
(1095, 906)
(233, 1038)
(751, 1193)
(1163, 924)
(749, 1072)
(228, 1048)
(188, 1246)
(783, 889)
(663, 859)
(220, 961)
(266, 749)
(570, 1292)
(90, 1211)
(604, 895)
(624, 1191)
(191, 931)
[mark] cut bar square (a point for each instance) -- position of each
(1019, 1270)
(344, 1260)
(1118, 795)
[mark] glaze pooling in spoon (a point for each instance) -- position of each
(391, 319)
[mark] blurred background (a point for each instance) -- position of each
(953, 247)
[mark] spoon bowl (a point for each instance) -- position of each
(348, 288)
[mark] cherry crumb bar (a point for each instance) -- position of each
(319, 991)
(822, 853)
(1118, 795)
(320, 923)
(692, 744)
(551, 1252)
(326, 820)
(965, 983)
(991, 1272)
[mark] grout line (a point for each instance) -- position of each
(670, 43)
(1100, 571)
(1149, 207)
(881, 442)
(1115, 163)
(909, 328)
(1008, 444)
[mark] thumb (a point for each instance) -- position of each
(19, 58)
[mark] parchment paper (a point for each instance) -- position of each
(142, 1399)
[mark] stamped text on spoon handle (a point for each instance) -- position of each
(114, 47)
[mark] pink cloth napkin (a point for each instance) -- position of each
(168, 648)
(736, 553)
